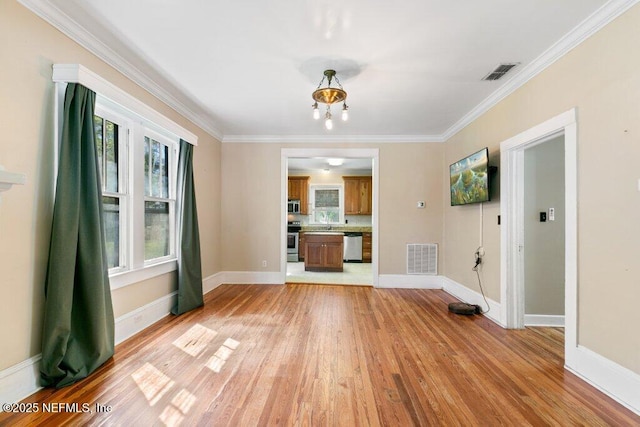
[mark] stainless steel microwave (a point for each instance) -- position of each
(293, 206)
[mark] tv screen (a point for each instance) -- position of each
(469, 178)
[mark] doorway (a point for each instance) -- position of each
(544, 223)
(293, 155)
(512, 211)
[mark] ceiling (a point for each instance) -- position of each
(245, 70)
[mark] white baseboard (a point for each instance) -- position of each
(20, 381)
(212, 282)
(618, 382)
(470, 296)
(135, 321)
(409, 281)
(251, 277)
(544, 320)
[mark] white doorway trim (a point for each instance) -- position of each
(372, 153)
(512, 230)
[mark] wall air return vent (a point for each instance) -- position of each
(500, 71)
(422, 258)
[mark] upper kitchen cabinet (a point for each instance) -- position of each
(299, 190)
(357, 195)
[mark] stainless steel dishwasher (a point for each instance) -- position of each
(352, 247)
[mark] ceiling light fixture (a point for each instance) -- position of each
(329, 95)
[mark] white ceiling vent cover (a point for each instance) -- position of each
(422, 258)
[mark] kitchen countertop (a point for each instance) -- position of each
(325, 233)
(336, 228)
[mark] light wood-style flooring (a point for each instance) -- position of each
(312, 355)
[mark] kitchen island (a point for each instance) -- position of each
(323, 251)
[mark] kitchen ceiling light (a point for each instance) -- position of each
(329, 95)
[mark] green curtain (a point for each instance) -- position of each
(78, 331)
(189, 263)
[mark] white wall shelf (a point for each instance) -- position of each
(8, 179)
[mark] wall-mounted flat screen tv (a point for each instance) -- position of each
(469, 179)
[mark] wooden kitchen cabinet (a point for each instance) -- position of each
(301, 242)
(357, 195)
(323, 252)
(366, 247)
(298, 189)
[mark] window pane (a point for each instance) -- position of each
(156, 221)
(326, 216)
(111, 207)
(147, 163)
(98, 127)
(156, 167)
(111, 153)
(327, 198)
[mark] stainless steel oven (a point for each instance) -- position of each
(292, 246)
(293, 240)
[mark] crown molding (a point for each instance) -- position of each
(592, 24)
(608, 12)
(60, 20)
(360, 139)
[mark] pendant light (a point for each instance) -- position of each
(329, 95)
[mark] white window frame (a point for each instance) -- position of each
(173, 147)
(312, 201)
(142, 119)
(124, 126)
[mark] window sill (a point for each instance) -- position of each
(126, 278)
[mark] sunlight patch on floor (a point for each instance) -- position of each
(180, 405)
(153, 383)
(195, 340)
(217, 361)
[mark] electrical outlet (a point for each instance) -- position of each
(481, 251)
(264, 263)
(420, 205)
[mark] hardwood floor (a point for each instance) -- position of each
(331, 355)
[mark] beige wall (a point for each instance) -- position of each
(28, 48)
(251, 186)
(600, 77)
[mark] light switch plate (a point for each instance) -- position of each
(421, 205)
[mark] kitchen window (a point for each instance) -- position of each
(327, 203)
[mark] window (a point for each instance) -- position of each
(137, 154)
(327, 202)
(110, 138)
(137, 166)
(158, 201)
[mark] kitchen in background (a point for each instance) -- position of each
(329, 221)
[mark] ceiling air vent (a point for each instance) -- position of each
(500, 71)
(422, 258)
